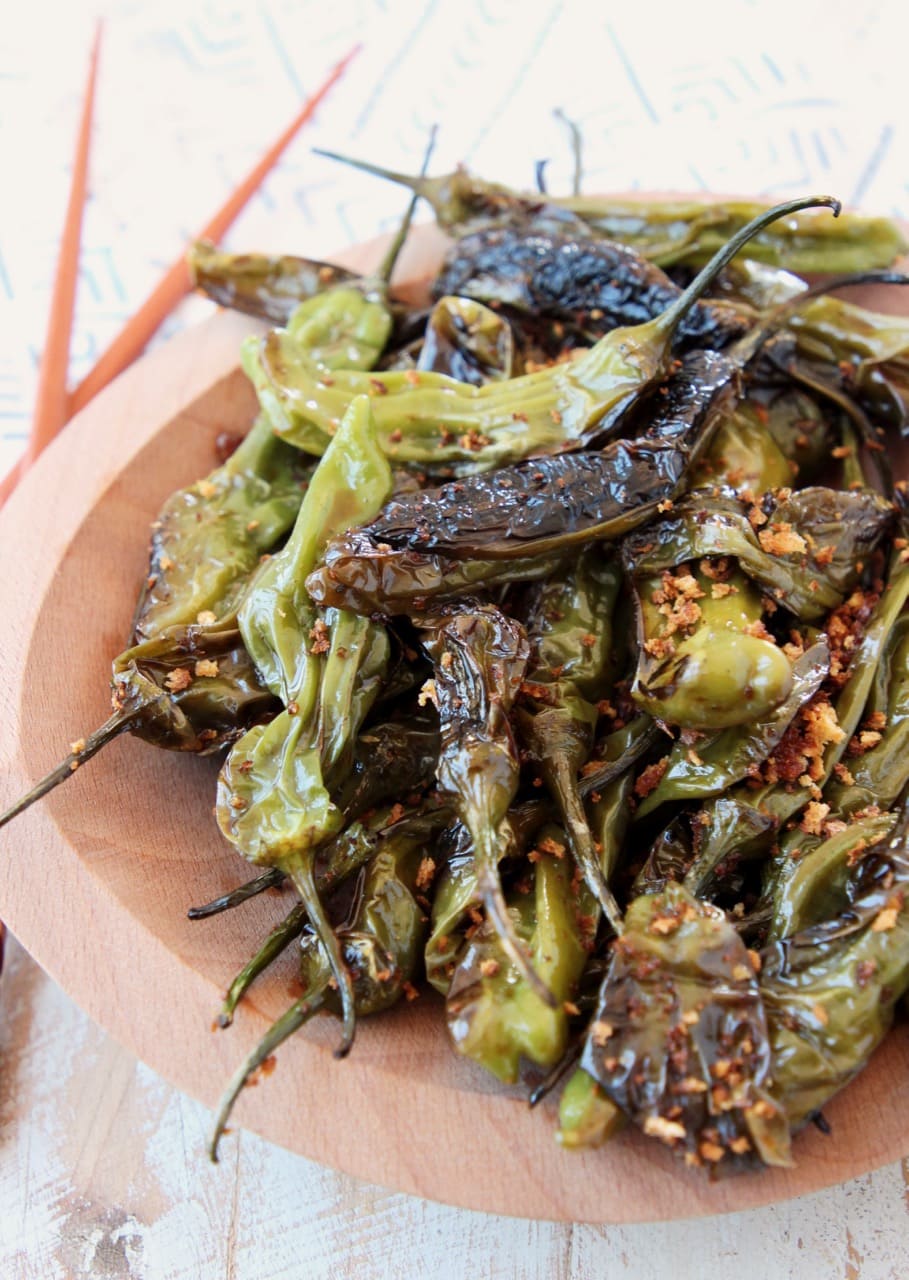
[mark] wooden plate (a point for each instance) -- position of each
(95, 880)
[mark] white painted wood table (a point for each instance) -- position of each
(103, 1176)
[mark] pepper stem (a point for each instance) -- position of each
(280, 938)
(577, 148)
(581, 841)
(387, 265)
(270, 879)
(417, 183)
(667, 323)
(117, 724)
(278, 1032)
(302, 871)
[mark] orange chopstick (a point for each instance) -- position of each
(176, 282)
(50, 402)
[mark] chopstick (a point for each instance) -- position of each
(50, 401)
(176, 282)
(53, 408)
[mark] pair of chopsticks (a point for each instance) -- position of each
(54, 405)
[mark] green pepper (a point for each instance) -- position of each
(669, 232)
(743, 820)
(381, 941)
(743, 455)
(801, 548)
(274, 804)
(701, 666)
(830, 990)
(587, 1116)
(208, 537)
(336, 861)
(259, 284)
(695, 771)
(571, 636)
(679, 1041)
(815, 888)
(433, 420)
(493, 1015)
(189, 688)
(469, 342)
(479, 661)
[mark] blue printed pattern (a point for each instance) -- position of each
(191, 92)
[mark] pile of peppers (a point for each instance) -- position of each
(554, 642)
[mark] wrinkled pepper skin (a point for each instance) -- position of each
(597, 285)
(510, 525)
(572, 658)
(208, 538)
(701, 666)
(830, 990)
(679, 1040)
(732, 754)
(469, 342)
(273, 802)
(434, 421)
(493, 1016)
(381, 942)
(260, 284)
(480, 658)
(744, 821)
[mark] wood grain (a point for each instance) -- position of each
(96, 880)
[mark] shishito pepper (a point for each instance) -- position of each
(479, 661)
(494, 1016)
(669, 232)
(274, 804)
(706, 661)
(469, 342)
(679, 1040)
(208, 537)
(380, 940)
(434, 421)
(520, 522)
(743, 821)
(261, 284)
(830, 990)
(571, 634)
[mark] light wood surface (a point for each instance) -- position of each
(95, 881)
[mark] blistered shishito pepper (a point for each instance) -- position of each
(696, 770)
(208, 537)
(669, 232)
(274, 802)
(814, 863)
(494, 1016)
(190, 688)
(440, 542)
(480, 658)
(434, 421)
(830, 990)
(706, 661)
(572, 654)
(679, 1040)
(261, 284)
(335, 862)
(596, 285)
(469, 342)
(381, 943)
(744, 820)
(519, 522)
(274, 288)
